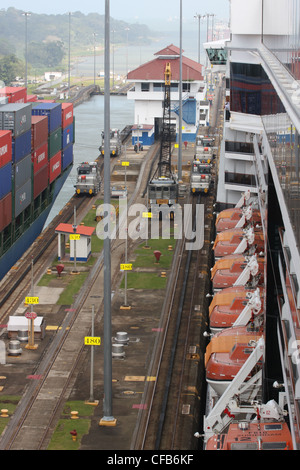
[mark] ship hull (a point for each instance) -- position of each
(21, 245)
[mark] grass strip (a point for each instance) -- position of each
(76, 281)
(144, 281)
(61, 438)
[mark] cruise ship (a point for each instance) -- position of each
(36, 157)
(253, 358)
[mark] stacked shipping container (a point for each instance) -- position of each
(39, 145)
(36, 145)
(68, 136)
(5, 179)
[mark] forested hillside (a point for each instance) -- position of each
(48, 35)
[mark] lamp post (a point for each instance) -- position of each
(69, 56)
(94, 36)
(199, 17)
(180, 102)
(113, 54)
(26, 14)
(108, 419)
(126, 29)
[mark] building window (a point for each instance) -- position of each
(186, 87)
(145, 86)
(240, 179)
(158, 87)
(239, 147)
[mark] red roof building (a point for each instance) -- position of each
(83, 243)
(148, 94)
(155, 69)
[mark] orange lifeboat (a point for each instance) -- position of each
(227, 352)
(228, 304)
(254, 435)
(238, 240)
(227, 270)
(237, 217)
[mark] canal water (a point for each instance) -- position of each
(89, 116)
(89, 123)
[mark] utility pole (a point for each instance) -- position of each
(26, 14)
(199, 17)
(108, 419)
(180, 103)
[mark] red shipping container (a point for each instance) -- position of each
(40, 181)
(39, 131)
(40, 158)
(5, 147)
(14, 94)
(67, 114)
(55, 167)
(31, 98)
(5, 211)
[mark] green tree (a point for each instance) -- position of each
(49, 54)
(10, 67)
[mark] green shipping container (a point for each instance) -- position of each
(54, 142)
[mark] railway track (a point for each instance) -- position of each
(18, 281)
(161, 427)
(32, 424)
(175, 403)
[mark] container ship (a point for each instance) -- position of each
(252, 357)
(36, 157)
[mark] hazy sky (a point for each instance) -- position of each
(143, 11)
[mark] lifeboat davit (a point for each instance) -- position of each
(238, 240)
(236, 270)
(254, 435)
(237, 217)
(227, 352)
(227, 306)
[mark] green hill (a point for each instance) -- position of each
(48, 35)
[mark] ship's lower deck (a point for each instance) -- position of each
(16, 238)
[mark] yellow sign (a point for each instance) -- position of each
(147, 215)
(125, 163)
(176, 146)
(92, 340)
(126, 267)
(31, 300)
(76, 236)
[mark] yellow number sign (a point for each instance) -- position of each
(31, 300)
(126, 267)
(92, 340)
(76, 236)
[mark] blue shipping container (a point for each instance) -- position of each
(67, 156)
(5, 179)
(67, 136)
(52, 110)
(21, 146)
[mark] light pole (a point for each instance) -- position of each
(127, 29)
(108, 419)
(199, 17)
(180, 102)
(26, 14)
(94, 35)
(113, 54)
(69, 56)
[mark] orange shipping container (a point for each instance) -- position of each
(39, 131)
(40, 181)
(5, 211)
(55, 167)
(14, 94)
(5, 147)
(67, 114)
(40, 158)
